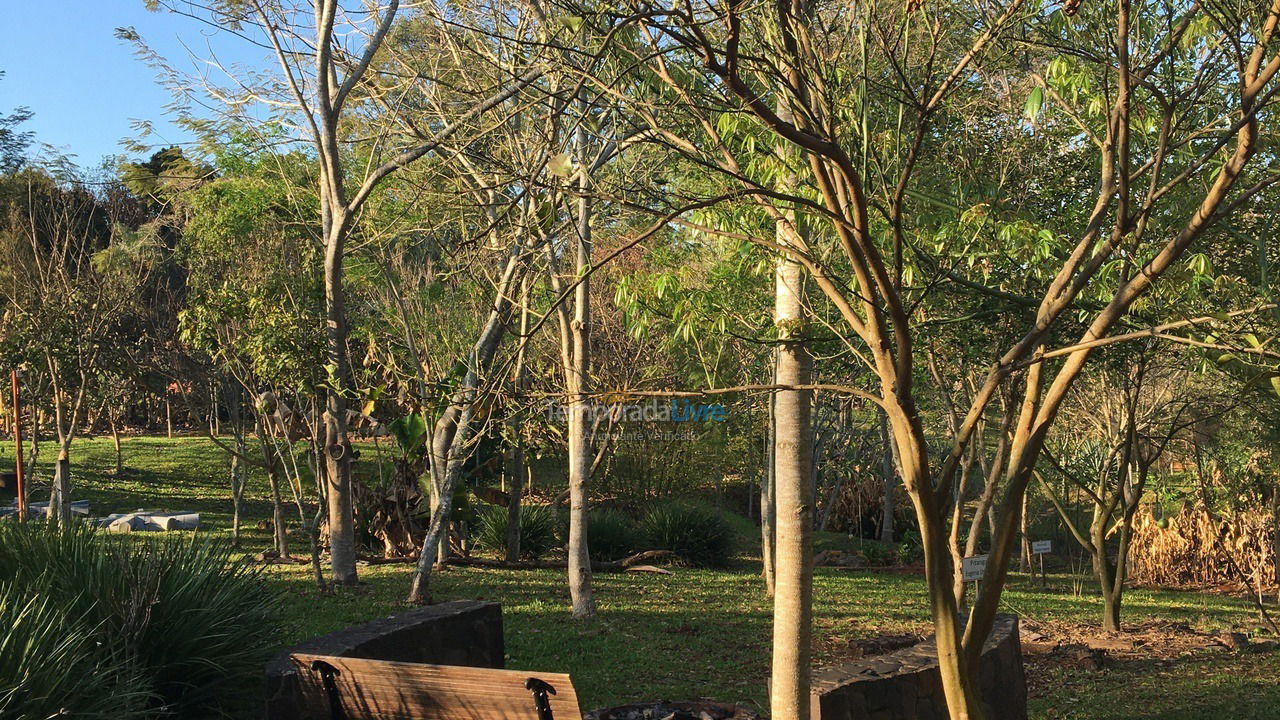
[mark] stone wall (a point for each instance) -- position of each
(906, 685)
(456, 633)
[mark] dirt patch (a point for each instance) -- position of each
(1048, 648)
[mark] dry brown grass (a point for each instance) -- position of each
(1195, 549)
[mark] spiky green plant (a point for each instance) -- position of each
(538, 529)
(50, 667)
(612, 535)
(190, 625)
(698, 533)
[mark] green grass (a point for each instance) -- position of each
(697, 633)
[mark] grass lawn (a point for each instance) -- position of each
(699, 633)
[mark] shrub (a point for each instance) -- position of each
(175, 625)
(910, 549)
(48, 668)
(612, 535)
(699, 534)
(878, 554)
(538, 530)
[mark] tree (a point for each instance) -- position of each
(1130, 415)
(324, 80)
(879, 259)
(14, 142)
(74, 276)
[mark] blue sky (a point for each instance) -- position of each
(62, 60)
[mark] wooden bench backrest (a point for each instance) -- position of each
(383, 690)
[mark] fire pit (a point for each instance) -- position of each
(669, 710)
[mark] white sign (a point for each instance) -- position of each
(973, 568)
(1042, 547)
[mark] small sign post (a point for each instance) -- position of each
(1040, 548)
(972, 569)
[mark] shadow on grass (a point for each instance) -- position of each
(1226, 686)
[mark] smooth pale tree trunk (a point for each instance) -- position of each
(337, 446)
(768, 509)
(793, 564)
(237, 472)
(958, 553)
(1026, 562)
(65, 420)
(115, 442)
(441, 443)
(578, 377)
(889, 481)
(60, 493)
(1109, 583)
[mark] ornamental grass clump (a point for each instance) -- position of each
(697, 533)
(93, 625)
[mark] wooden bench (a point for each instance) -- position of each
(339, 688)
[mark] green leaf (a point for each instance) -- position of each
(409, 431)
(1035, 102)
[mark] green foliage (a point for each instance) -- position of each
(698, 533)
(910, 549)
(612, 535)
(46, 671)
(174, 627)
(410, 432)
(539, 530)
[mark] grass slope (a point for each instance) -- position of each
(698, 633)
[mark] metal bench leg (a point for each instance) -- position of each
(327, 674)
(540, 689)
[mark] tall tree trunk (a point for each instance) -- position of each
(235, 415)
(517, 475)
(60, 493)
(65, 421)
(237, 484)
(441, 442)
(578, 377)
(889, 482)
(1026, 562)
(792, 602)
(337, 448)
(1105, 571)
(768, 508)
(115, 442)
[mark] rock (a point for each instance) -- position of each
(1033, 637)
